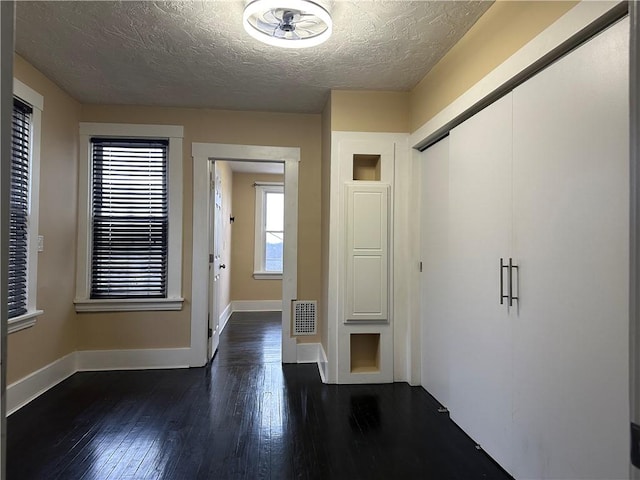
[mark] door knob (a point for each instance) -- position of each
(222, 265)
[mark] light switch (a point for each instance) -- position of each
(40, 243)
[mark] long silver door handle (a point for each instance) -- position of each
(502, 295)
(512, 297)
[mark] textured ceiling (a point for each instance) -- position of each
(197, 54)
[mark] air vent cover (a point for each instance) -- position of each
(304, 317)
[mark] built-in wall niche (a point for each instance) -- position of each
(366, 167)
(365, 353)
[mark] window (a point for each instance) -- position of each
(23, 207)
(19, 208)
(269, 231)
(129, 218)
(130, 245)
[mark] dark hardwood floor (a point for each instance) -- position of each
(245, 416)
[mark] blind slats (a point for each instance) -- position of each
(129, 219)
(19, 208)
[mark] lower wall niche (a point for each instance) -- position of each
(365, 352)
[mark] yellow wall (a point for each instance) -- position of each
(172, 329)
(505, 28)
(243, 285)
(369, 111)
(54, 334)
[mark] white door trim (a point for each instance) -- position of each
(634, 257)
(7, 18)
(203, 153)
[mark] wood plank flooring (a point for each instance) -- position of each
(245, 416)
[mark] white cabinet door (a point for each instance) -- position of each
(367, 252)
(571, 242)
(479, 235)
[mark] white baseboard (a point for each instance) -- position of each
(144, 359)
(35, 384)
(224, 316)
(313, 353)
(256, 305)
(323, 363)
(307, 352)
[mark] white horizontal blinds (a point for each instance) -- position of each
(130, 216)
(19, 208)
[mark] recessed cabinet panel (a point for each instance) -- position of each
(367, 278)
(368, 229)
(367, 252)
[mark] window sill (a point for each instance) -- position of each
(23, 321)
(129, 305)
(267, 275)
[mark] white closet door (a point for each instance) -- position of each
(434, 209)
(479, 235)
(571, 242)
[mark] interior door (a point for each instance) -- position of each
(571, 197)
(215, 258)
(434, 252)
(479, 234)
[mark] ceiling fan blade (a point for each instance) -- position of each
(265, 26)
(273, 16)
(279, 33)
(308, 24)
(306, 33)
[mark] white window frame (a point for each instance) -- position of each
(36, 101)
(262, 188)
(174, 299)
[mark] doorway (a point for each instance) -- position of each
(245, 243)
(204, 156)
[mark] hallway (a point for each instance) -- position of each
(245, 416)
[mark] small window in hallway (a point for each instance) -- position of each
(269, 230)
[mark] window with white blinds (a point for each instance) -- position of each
(129, 218)
(19, 208)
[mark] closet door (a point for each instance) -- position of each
(479, 235)
(434, 208)
(571, 197)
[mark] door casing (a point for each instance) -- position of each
(202, 154)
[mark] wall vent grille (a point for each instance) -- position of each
(304, 317)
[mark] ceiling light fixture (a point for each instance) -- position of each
(287, 23)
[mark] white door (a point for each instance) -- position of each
(479, 235)
(571, 241)
(436, 338)
(215, 258)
